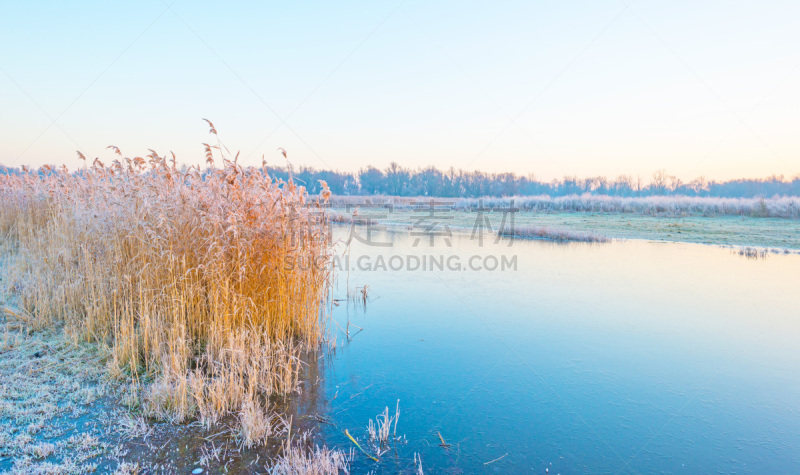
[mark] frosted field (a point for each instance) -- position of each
(744, 231)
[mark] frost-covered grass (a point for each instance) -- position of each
(301, 458)
(552, 234)
(773, 233)
(379, 431)
(133, 426)
(774, 207)
(768, 223)
(48, 385)
(257, 423)
(777, 207)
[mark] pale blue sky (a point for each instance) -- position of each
(550, 88)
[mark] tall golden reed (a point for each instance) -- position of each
(182, 275)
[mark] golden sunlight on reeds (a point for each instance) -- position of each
(180, 274)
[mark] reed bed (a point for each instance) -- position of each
(787, 207)
(776, 207)
(181, 275)
(552, 234)
(352, 218)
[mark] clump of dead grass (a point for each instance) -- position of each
(301, 458)
(256, 423)
(379, 431)
(552, 234)
(133, 426)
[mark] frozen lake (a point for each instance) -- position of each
(631, 356)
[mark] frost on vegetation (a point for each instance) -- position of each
(678, 205)
(776, 207)
(182, 281)
(40, 450)
(133, 426)
(418, 464)
(301, 458)
(46, 381)
(383, 429)
(127, 468)
(255, 423)
(554, 234)
(168, 286)
(27, 466)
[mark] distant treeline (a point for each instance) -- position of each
(398, 181)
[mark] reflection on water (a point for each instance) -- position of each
(622, 357)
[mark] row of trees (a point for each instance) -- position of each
(398, 181)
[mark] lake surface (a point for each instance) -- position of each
(631, 356)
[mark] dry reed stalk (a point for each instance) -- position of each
(553, 234)
(182, 274)
(301, 458)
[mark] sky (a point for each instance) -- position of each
(554, 89)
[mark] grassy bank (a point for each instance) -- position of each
(724, 230)
(786, 207)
